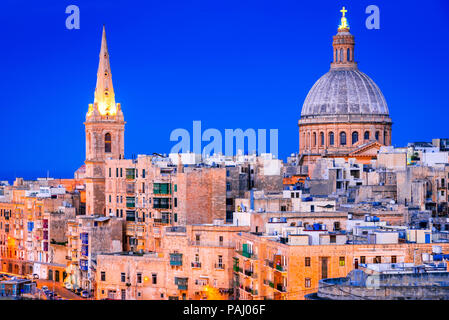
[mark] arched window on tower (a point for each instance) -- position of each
(314, 139)
(331, 138)
(322, 138)
(377, 135)
(355, 137)
(342, 138)
(348, 55)
(107, 142)
(366, 135)
(341, 55)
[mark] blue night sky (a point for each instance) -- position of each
(231, 64)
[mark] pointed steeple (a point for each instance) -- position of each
(104, 91)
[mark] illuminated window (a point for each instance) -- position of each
(308, 283)
(107, 142)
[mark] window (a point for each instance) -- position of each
(343, 138)
(322, 138)
(307, 283)
(336, 226)
(366, 135)
(307, 261)
(331, 138)
(122, 277)
(154, 279)
(355, 137)
(139, 278)
(107, 142)
(341, 261)
(103, 276)
(393, 259)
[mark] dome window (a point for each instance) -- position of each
(355, 137)
(366, 135)
(343, 138)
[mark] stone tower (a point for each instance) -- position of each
(105, 128)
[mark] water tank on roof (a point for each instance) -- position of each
(436, 249)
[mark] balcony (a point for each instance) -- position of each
(219, 266)
(247, 254)
(176, 259)
(196, 264)
(269, 263)
(281, 288)
(281, 268)
(249, 273)
(268, 283)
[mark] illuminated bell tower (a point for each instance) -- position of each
(105, 128)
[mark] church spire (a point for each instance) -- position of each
(104, 91)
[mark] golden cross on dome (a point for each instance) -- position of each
(344, 22)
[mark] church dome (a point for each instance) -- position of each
(344, 91)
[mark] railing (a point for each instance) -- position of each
(217, 244)
(247, 254)
(281, 288)
(249, 273)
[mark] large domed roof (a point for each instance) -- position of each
(344, 91)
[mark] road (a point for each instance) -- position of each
(58, 288)
(53, 286)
